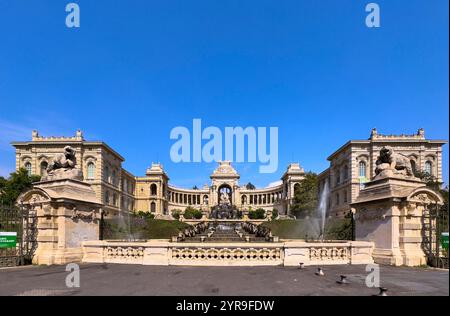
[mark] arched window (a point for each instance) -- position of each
(107, 197)
(413, 166)
(244, 199)
(44, 166)
(345, 196)
(28, 167)
(153, 189)
(429, 167)
(362, 169)
(114, 201)
(90, 170)
(296, 188)
(153, 207)
(345, 172)
(107, 174)
(113, 177)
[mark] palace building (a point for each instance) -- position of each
(354, 164)
(119, 190)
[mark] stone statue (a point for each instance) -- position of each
(224, 199)
(390, 163)
(63, 166)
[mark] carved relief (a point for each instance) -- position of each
(125, 253)
(83, 215)
(329, 253)
(247, 254)
(370, 215)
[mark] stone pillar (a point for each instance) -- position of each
(391, 212)
(68, 213)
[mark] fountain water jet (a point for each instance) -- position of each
(322, 210)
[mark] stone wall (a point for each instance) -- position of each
(288, 253)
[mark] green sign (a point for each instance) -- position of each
(8, 239)
(444, 240)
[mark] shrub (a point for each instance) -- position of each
(192, 213)
(145, 215)
(176, 214)
(257, 214)
(274, 214)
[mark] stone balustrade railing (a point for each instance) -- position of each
(287, 253)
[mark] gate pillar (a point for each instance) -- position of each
(68, 213)
(393, 213)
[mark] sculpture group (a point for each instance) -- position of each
(63, 166)
(390, 163)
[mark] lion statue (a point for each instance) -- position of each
(390, 163)
(65, 160)
(63, 166)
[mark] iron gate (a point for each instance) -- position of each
(22, 221)
(435, 223)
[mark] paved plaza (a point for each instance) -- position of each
(114, 279)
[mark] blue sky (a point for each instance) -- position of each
(136, 69)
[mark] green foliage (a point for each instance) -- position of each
(145, 215)
(163, 229)
(192, 213)
(257, 214)
(141, 228)
(340, 229)
(250, 186)
(306, 196)
(274, 214)
(335, 229)
(176, 214)
(430, 180)
(17, 183)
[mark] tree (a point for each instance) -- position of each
(250, 186)
(192, 213)
(17, 183)
(432, 182)
(259, 213)
(306, 196)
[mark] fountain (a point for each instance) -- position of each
(224, 210)
(322, 210)
(125, 221)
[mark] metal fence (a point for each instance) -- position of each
(435, 223)
(22, 222)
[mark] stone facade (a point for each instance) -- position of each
(155, 194)
(67, 213)
(101, 167)
(393, 212)
(118, 189)
(354, 164)
(351, 166)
